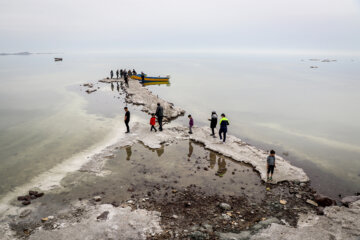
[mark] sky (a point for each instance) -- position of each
(161, 25)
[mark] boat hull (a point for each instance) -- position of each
(150, 79)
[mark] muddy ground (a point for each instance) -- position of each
(185, 183)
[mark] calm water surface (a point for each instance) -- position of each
(309, 115)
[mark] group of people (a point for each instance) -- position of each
(122, 73)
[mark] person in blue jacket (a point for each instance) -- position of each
(224, 122)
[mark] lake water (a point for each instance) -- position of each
(308, 115)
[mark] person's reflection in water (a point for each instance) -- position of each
(222, 167)
(112, 87)
(128, 153)
(191, 149)
(160, 151)
(118, 86)
(212, 159)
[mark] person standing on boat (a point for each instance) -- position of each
(159, 114)
(142, 76)
(213, 123)
(134, 72)
(127, 119)
(117, 74)
(224, 122)
(129, 73)
(111, 74)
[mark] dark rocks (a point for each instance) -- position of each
(103, 216)
(39, 195)
(26, 202)
(33, 193)
(115, 204)
(131, 189)
(21, 198)
(324, 201)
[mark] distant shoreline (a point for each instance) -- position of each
(23, 53)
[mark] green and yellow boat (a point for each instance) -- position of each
(150, 79)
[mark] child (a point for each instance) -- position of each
(152, 122)
(191, 124)
(270, 165)
(224, 122)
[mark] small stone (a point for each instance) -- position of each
(33, 193)
(39, 194)
(174, 191)
(21, 198)
(131, 189)
(225, 217)
(115, 204)
(25, 213)
(175, 216)
(225, 206)
(187, 204)
(44, 219)
(103, 216)
(206, 169)
(298, 196)
(283, 202)
(311, 202)
(26, 202)
(50, 217)
(97, 198)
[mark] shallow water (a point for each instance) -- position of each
(271, 101)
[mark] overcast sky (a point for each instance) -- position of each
(81, 25)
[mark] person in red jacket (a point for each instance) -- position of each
(152, 122)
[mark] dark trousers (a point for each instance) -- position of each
(127, 126)
(224, 132)
(153, 127)
(213, 131)
(160, 122)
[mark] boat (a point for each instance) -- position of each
(145, 83)
(58, 59)
(150, 79)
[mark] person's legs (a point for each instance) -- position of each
(224, 135)
(160, 123)
(213, 131)
(127, 127)
(271, 171)
(220, 131)
(190, 130)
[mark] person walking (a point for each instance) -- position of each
(159, 114)
(121, 73)
(213, 123)
(153, 122)
(111, 74)
(117, 74)
(127, 119)
(270, 165)
(191, 124)
(224, 122)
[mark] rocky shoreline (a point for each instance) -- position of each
(155, 203)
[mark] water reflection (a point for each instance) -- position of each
(112, 87)
(118, 86)
(221, 167)
(160, 151)
(191, 149)
(128, 152)
(155, 83)
(212, 158)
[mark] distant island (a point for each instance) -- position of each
(22, 53)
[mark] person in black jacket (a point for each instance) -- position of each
(159, 114)
(224, 122)
(213, 123)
